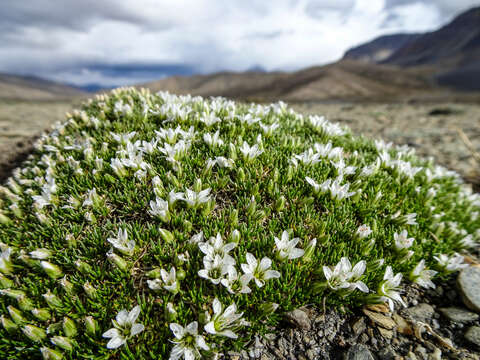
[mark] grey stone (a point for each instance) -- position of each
(359, 352)
(420, 312)
(299, 319)
(458, 314)
(467, 283)
(359, 326)
(387, 353)
(473, 335)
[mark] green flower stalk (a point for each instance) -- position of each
(69, 327)
(8, 324)
(42, 314)
(91, 326)
(62, 342)
(50, 354)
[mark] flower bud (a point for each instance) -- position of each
(8, 324)
(69, 327)
(40, 254)
(67, 285)
(252, 206)
(52, 299)
(16, 210)
(290, 173)
(241, 174)
(83, 267)
(5, 282)
(267, 308)
(50, 354)
(280, 203)
(310, 250)
(166, 235)
(91, 325)
(4, 219)
(41, 314)
(34, 333)
(233, 218)
(16, 315)
(235, 236)
(52, 270)
(90, 290)
(62, 342)
(170, 312)
(154, 274)
(197, 186)
(25, 303)
(117, 260)
(232, 151)
(12, 293)
(181, 274)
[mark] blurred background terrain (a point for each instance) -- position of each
(416, 88)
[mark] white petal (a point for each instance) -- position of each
(192, 328)
(133, 315)
(217, 306)
(296, 253)
(122, 317)
(201, 343)
(251, 260)
(265, 263)
(178, 330)
(115, 342)
(111, 333)
(269, 274)
(137, 329)
(210, 328)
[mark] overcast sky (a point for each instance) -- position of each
(116, 42)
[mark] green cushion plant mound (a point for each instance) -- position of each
(156, 226)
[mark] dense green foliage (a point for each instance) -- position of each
(136, 183)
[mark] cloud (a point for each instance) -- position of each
(116, 42)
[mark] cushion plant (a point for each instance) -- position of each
(162, 226)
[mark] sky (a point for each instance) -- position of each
(121, 42)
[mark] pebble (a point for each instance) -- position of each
(299, 319)
(420, 312)
(382, 320)
(387, 334)
(467, 283)
(387, 353)
(458, 314)
(403, 327)
(359, 352)
(473, 335)
(359, 326)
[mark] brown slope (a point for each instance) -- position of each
(32, 88)
(344, 80)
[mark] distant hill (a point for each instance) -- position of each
(380, 48)
(345, 80)
(451, 53)
(34, 88)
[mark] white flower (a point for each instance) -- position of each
(328, 151)
(187, 342)
(124, 328)
(121, 242)
(250, 152)
(451, 263)
(269, 129)
(468, 242)
(195, 199)
(168, 282)
(363, 231)
(173, 197)
(215, 269)
(216, 246)
(224, 162)
(422, 276)
(123, 138)
(389, 288)
(159, 208)
(343, 276)
(308, 157)
(209, 119)
(286, 247)
(342, 167)
(224, 320)
(260, 271)
(213, 140)
(402, 241)
(235, 283)
(338, 191)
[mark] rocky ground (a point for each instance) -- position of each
(439, 324)
(436, 324)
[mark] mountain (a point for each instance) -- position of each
(344, 80)
(34, 88)
(380, 48)
(451, 54)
